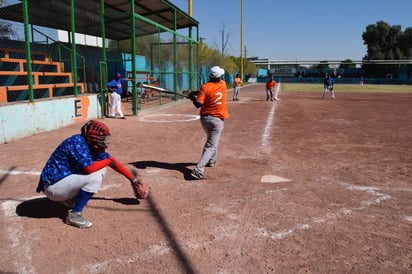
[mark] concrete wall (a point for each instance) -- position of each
(25, 119)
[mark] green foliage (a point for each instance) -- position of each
(348, 63)
(385, 42)
(155, 48)
(6, 29)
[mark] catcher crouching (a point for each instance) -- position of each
(75, 171)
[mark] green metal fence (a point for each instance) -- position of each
(37, 61)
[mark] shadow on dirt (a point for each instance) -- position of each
(41, 208)
(181, 167)
(184, 259)
(124, 201)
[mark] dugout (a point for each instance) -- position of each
(36, 66)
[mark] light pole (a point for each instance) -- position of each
(241, 39)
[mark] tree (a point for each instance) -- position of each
(6, 29)
(225, 40)
(322, 65)
(405, 43)
(348, 63)
(385, 42)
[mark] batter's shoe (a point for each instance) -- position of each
(211, 163)
(196, 175)
(76, 219)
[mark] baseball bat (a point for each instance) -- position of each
(164, 90)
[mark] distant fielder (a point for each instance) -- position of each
(328, 86)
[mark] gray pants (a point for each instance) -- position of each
(236, 92)
(213, 127)
(70, 186)
(332, 92)
(269, 94)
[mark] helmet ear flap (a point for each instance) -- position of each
(85, 129)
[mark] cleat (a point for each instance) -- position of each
(196, 175)
(211, 163)
(76, 219)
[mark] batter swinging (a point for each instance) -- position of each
(211, 100)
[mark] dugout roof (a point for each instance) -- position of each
(56, 14)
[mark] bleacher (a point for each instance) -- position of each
(49, 78)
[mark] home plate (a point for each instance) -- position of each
(273, 179)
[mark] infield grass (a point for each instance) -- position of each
(288, 87)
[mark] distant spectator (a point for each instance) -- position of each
(116, 90)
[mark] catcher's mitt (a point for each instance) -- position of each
(140, 187)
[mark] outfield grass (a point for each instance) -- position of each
(288, 87)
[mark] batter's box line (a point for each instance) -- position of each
(17, 172)
(378, 197)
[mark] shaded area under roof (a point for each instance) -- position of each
(56, 14)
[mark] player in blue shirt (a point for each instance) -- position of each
(116, 90)
(328, 85)
(75, 170)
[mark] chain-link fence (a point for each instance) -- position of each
(155, 54)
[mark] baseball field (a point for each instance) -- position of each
(301, 185)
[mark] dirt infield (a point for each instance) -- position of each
(302, 185)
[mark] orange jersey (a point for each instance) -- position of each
(270, 84)
(212, 96)
(238, 82)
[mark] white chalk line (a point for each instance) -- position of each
(21, 240)
(163, 118)
(269, 123)
(16, 172)
(377, 197)
(225, 230)
(21, 248)
(153, 251)
(266, 132)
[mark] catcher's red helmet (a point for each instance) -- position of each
(97, 135)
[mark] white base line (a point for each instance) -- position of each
(269, 123)
(21, 240)
(16, 172)
(377, 198)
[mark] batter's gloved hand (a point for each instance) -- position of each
(193, 95)
(139, 186)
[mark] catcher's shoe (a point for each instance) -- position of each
(196, 175)
(76, 219)
(211, 163)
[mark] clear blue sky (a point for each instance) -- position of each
(297, 29)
